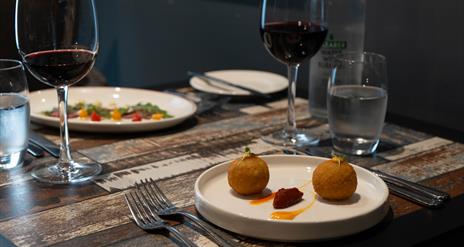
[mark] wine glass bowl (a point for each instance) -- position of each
(293, 42)
(58, 42)
(292, 32)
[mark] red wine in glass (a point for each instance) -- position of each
(292, 42)
(60, 67)
(58, 42)
(292, 32)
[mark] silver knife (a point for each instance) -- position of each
(35, 150)
(45, 144)
(211, 78)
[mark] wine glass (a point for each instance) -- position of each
(58, 42)
(292, 31)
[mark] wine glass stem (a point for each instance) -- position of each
(292, 77)
(65, 153)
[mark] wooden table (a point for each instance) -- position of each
(95, 214)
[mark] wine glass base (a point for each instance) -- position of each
(297, 138)
(55, 174)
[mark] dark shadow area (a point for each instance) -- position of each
(387, 146)
(266, 192)
(430, 128)
(352, 200)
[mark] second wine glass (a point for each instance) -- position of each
(293, 31)
(58, 42)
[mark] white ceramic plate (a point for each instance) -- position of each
(261, 81)
(45, 100)
(215, 200)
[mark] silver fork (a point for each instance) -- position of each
(146, 219)
(163, 206)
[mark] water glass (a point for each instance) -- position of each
(357, 102)
(14, 114)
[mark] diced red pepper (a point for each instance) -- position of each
(136, 117)
(95, 117)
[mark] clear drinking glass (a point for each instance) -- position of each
(357, 102)
(58, 42)
(14, 114)
(292, 31)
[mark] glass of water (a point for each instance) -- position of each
(357, 102)
(14, 114)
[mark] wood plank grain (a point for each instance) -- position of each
(428, 164)
(66, 222)
(189, 162)
(86, 217)
(415, 148)
(21, 195)
(451, 182)
(28, 197)
(32, 214)
(130, 235)
(400, 136)
(101, 215)
(259, 123)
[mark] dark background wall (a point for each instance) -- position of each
(151, 43)
(156, 42)
(424, 45)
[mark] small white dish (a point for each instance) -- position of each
(176, 106)
(216, 201)
(261, 81)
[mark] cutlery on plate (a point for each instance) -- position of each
(158, 201)
(409, 190)
(34, 150)
(204, 103)
(208, 78)
(146, 219)
(45, 144)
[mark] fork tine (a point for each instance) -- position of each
(158, 201)
(138, 218)
(146, 204)
(140, 207)
(138, 204)
(160, 192)
(153, 200)
(161, 202)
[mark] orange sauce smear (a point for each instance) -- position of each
(285, 215)
(302, 187)
(263, 200)
(290, 215)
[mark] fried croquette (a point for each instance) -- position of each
(249, 174)
(334, 179)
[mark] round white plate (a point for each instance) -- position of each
(261, 81)
(45, 100)
(216, 201)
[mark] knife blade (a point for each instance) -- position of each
(35, 150)
(47, 145)
(211, 78)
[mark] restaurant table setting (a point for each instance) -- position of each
(209, 163)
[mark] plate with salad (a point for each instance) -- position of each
(112, 109)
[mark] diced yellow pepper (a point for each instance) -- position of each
(116, 115)
(83, 113)
(157, 116)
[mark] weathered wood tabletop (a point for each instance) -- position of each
(95, 214)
